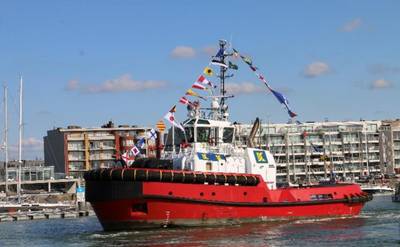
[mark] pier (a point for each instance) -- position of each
(44, 214)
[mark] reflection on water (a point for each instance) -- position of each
(378, 225)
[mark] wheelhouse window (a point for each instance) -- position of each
(189, 134)
(203, 134)
(227, 136)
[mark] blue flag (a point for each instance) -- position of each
(283, 100)
(140, 143)
(220, 53)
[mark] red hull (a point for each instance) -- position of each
(140, 204)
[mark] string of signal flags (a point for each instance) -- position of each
(202, 83)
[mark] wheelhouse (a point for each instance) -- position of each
(199, 130)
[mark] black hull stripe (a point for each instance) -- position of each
(355, 200)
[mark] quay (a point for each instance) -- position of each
(40, 215)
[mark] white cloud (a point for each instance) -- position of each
(183, 52)
(32, 143)
(29, 144)
(316, 69)
(352, 25)
(120, 84)
(244, 88)
(380, 84)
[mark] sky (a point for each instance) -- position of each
(87, 62)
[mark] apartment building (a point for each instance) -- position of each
(312, 151)
(390, 148)
(74, 150)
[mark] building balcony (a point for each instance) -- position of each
(75, 138)
(72, 149)
(101, 158)
(99, 138)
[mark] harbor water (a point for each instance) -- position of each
(378, 225)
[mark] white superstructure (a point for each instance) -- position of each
(209, 147)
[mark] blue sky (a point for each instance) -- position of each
(87, 62)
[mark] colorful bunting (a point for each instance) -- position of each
(280, 97)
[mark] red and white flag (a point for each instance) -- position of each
(199, 86)
(128, 159)
(171, 118)
(134, 150)
(185, 101)
(203, 80)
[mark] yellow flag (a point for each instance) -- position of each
(208, 71)
(191, 93)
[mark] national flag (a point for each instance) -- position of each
(171, 118)
(233, 66)
(194, 94)
(220, 53)
(152, 134)
(219, 63)
(253, 68)
(198, 86)
(208, 71)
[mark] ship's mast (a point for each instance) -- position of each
(223, 108)
(222, 44)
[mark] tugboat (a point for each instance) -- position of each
(212, 180)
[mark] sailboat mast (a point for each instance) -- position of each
(6, 137)
(20, 141)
